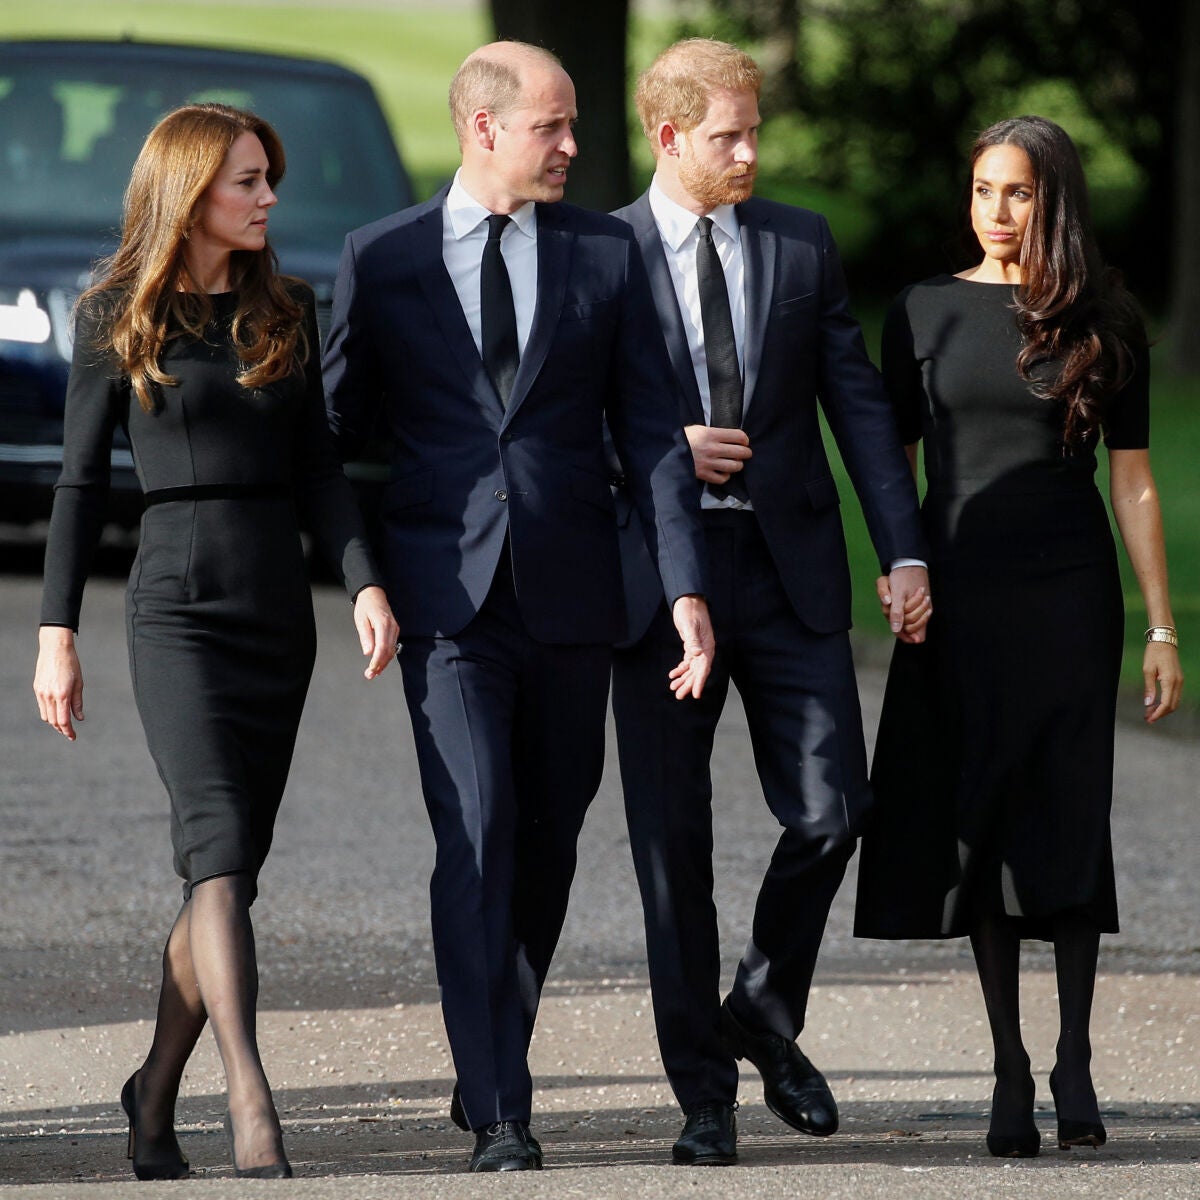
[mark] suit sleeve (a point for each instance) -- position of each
(328, 501)
(862, 422)
(901, 372)
(95, 395)
(350, 365)
(643, 416)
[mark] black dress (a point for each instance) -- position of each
(218, 607)
(993, 763)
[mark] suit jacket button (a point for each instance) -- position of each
(501, 495)
(506, 436)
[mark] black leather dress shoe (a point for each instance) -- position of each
(709, 1137)
(458, 1115)
(505, 1146)
(795, 1091)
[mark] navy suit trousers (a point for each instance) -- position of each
(510, 741)
(801, 702)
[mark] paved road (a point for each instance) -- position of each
(351, 1030)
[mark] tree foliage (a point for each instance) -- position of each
(889, 95)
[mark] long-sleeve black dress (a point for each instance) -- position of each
(218, 608)
(993, 764)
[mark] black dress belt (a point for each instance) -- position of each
(217, 491)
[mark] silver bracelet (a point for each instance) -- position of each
(1163, 633)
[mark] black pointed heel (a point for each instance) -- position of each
(276, 1170)
(1023, 1143)
(1072, 1133)
(171, 1165)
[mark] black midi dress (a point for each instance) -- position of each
(993, 764)
(218, 607)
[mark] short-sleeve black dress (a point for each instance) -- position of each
(218, 608)
(993, 763)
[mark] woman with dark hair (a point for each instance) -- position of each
(993, 763)
(207, 357)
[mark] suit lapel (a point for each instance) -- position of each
(554, 243)
(641, 217)
(758, 256)
(430, 267)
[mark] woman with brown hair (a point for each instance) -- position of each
(994, 761)
(207, 357)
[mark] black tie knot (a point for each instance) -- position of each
(704, 228)
(496, 223)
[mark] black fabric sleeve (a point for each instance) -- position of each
(95, 394)
(1127, 422)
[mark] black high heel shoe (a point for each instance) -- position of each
(1076, 1133)
(170, 1165)
(1023, 1144)
(276, 1170)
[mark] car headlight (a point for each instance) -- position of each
(27, 320)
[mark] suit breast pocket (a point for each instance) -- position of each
(805, 303)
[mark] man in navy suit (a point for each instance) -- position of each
(495, 330)
(753, 306)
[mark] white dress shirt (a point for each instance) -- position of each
(464, 233)
(677, 229)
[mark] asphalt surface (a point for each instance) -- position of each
(350, 1028)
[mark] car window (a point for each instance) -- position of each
(69, 133)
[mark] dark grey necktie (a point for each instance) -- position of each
(720, 349)
(498, 317)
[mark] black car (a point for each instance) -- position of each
(73, 115)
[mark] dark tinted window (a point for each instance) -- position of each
(70, 130)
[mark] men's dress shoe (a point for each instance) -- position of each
(795, 1091)
(458, 1115)
(505, 1146)
(709, 1137)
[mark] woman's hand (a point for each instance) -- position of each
(1164, 680)
(915, 613)
(57, 680)
(378, 633)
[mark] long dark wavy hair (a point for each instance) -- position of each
(1071, 309)
(146, 290)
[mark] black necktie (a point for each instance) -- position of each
(720, 349)
(498, 317)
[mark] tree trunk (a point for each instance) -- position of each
(590, 39)
(1185, 262)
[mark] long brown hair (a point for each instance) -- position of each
(146, 290)
(1072, 310)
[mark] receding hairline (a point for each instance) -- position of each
(495, 77)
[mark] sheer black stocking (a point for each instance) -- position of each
(997, 947)
(1076, 947)
(178, 1025)
(226, 970)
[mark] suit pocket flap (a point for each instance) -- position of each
(408, 490)
(822, 493)
(806, 301)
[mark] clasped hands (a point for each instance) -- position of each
(906, 603)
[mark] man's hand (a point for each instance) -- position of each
(906, 603)
(690, 614)
(378, 633)
(717, 452)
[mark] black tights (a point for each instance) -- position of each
(210, 973)
(997, 946)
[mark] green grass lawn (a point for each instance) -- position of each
(409, 53)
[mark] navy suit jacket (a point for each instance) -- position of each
(466, 471)
(802, 348)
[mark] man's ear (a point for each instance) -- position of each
(667, 139)
(483, 126)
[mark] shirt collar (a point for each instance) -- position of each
(467, 214)
(676, 224)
